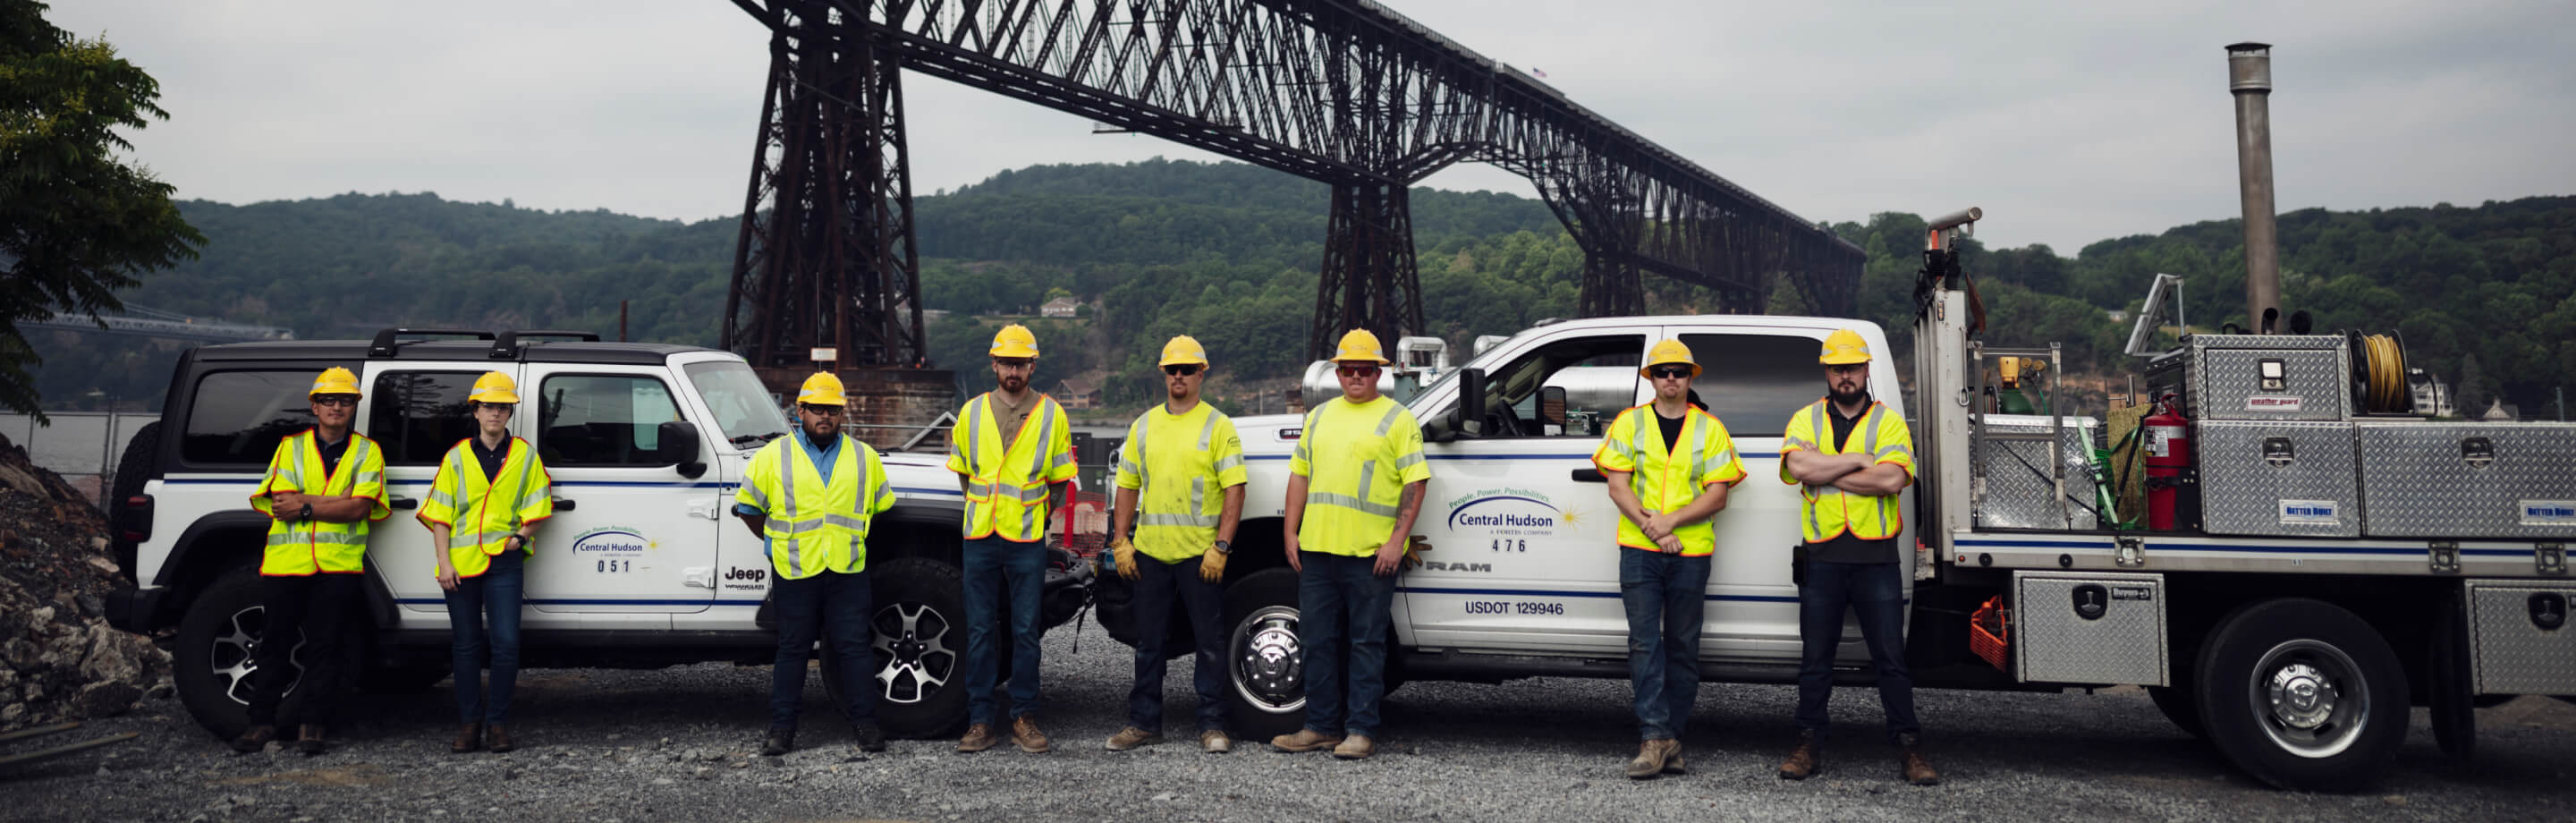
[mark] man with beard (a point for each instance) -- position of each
(1850, 457)
(811, 496)
(324, 485)
(1012, 450)
(1176, 454)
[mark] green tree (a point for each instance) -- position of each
(75, 223)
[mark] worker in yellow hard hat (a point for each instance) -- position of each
(484, 505)
(1669, 466)
(1182, 467)
(811, 496)
(1355, 484)
(1012, 450)
(1850, 458)
(324, 486)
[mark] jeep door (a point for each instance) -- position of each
(416, 412)
(1524, 553)
(630, 532)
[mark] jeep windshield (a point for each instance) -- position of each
(746, 415)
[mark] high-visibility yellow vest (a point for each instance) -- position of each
(815, 527)
(301, 549)
(1180, 467)
(1830, 510)
(1357, 459)
(1006, 483)
(1667, 479)
(481, 513)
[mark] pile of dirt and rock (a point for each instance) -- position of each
(58, 657)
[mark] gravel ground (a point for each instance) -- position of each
(601, 746)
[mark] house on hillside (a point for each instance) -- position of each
(1060, 307)
(1077, 393)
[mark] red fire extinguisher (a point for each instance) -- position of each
(2168, 441)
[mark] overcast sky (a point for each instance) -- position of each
(2069, 122)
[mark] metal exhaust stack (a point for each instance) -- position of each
(2249, 77)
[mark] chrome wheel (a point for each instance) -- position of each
(1268, 661)
(2310, 698)
(912, 639)
(235, 661)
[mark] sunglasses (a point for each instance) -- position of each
(1669, 372)
(1357, 371)
(1181, 370)
(335, 400)
(1014, 364)
(826, 411)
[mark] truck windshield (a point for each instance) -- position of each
(746, 414)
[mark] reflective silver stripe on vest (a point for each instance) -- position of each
(1207, 430)
(298, 538)
(1897, 450)
(1228, 462)
(529, 491)
(787, 503)
(1198, 495)
(1408, 461)
(1869, 422)
(1198, 520)
(480, 539)
(1387, 423)
(441, 498)
(1699, 446)
(1349, 502)
(1039, 460)
(1131, 457)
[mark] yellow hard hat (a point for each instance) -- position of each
(1184, 350)
(1015, 340)
(1842, 348)
(494, 387)
(335, 380)
(1359, 344)
(823, 389)
(1668, 351)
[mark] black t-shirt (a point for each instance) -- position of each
(490, 458)
(331, 453)
(1672, 427)
(1844, 548)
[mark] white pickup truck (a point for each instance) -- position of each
(2295, 644)
(641, 566)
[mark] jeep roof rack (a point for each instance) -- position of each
(383, 345)
(507, 346)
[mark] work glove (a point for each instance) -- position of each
(1126, 554)
(1414, 546)
(1212, 566)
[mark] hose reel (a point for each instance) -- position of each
(2379, 374)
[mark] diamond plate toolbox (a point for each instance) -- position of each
(2278, 479)
(2090, 627)
(2267, 377)
(2468, 479)
(2519, 640)
(2017, 493)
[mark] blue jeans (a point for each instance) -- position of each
(835, 606)
(1342, 610)
(497, 593)
(994, 565)
(1157, 585)
(1876, 591)
(1665, 595)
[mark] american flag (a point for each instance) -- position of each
(1534, 70)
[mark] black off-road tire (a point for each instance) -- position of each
(212, 668)
(919, 648)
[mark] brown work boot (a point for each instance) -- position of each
(499, 738)
(308, 740)
(1305, 740)
(1132, 737)
(1025, 734)
(469, 737)
(1673, 764)
(1918, 770)
(1215, 741)
(978, 738)
(1650, 759)
(254, 739)
(1355, 747)
(1804, 761)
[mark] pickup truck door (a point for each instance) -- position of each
(630, 533)
(1524, 552)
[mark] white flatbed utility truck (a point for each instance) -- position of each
(2341, 567)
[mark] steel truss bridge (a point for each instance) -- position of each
(1346, 92)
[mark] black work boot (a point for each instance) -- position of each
(871, 738)
(254, 738)
(779, 742)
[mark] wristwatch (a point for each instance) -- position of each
(307, 514)
(514, 541)
(1225, 547)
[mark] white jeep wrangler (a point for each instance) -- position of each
(642, 565)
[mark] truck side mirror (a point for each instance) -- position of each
(1471, 403)
(1551, 405)
(678, 445)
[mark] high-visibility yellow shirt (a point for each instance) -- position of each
(481, 513)
(1830, 510)
(302, 549)
(814, 526)
(1668, 477)
(1006, 483)
(1180, 466)
(1357, 459)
